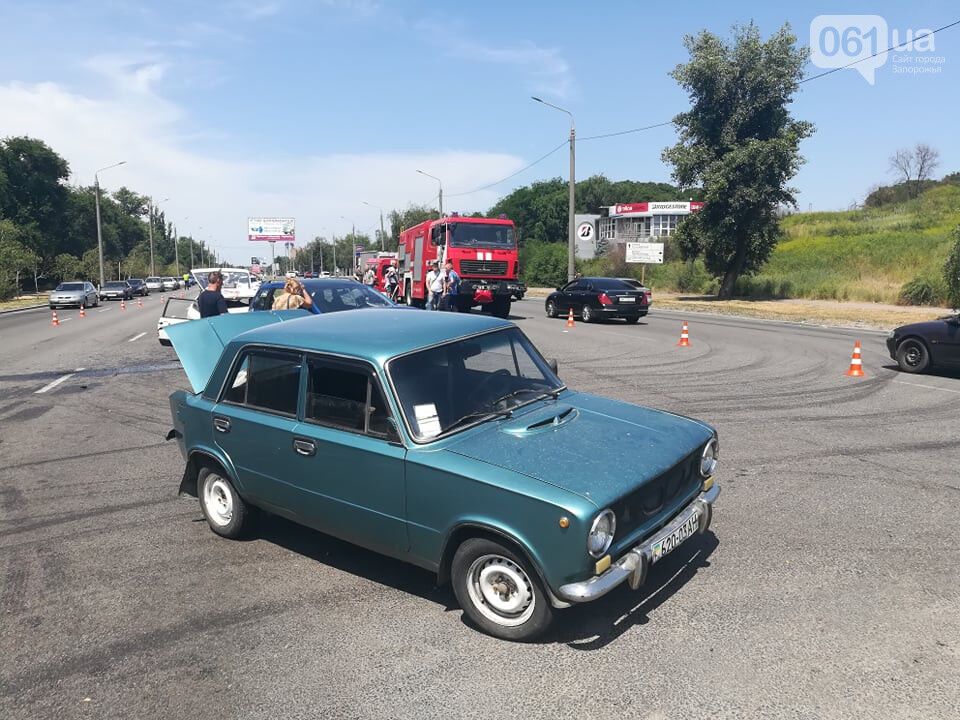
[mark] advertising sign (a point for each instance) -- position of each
(644, 252)
(655, 208)
(585, 231)
(271, 229)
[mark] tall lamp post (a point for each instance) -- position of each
(153, 269)
(96, 187)
(571, 230)
(441, 188)
(382, 234)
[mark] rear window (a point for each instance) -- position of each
(610, 284)
(66, 287)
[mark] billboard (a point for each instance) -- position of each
(271, 229)
(644, 252)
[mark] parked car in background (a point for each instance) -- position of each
(517, 290)
(180, 310)
(116, 290)
(442, 439)
(154, 284)
(79, 293)
(328, 294)
(598, 298)
(139, 286)
(170, 283)
(918, 347)
(239, 284)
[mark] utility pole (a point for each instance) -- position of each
(96, 190)
(382, 233)
(441, 188)
(571, 219)
(150, 225)
(176, 250)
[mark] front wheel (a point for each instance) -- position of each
(588, 314)
(913, 356)
(225, 511)
(499, 592)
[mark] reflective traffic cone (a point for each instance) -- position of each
(54, 321)
(684, 336)
(856, 364)
(123, 304)
(570, 318)
(83, 313)
(139, 302)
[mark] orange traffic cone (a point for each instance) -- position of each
(55, 321)
(570, 318)
(684, 336)
(139, 302)
(123, 304)
(856, 364)
(83, 313)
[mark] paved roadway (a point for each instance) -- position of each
(829, 588)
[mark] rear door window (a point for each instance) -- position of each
(266, 380)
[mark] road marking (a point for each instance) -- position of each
(66, 319)
(929, 387)
(56, 382)
(105, 310)
(136, 337)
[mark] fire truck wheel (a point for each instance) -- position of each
(501, 307)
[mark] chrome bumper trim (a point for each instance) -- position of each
(633, 565)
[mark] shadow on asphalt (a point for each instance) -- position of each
(953, 374)
(591, 626)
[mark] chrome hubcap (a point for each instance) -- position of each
(218, 501)
(500, 590)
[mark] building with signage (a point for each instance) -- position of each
(640, 221)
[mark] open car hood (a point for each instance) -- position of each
(199, 343)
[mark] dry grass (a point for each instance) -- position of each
(23, 301)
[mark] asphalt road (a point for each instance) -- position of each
(827, 589)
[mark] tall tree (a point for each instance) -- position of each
(951, 272)
(400, 220)
(740, 143)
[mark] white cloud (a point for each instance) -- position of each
(135, 124)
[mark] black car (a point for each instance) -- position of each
(595, 298)
(919, 346)
(139, 286)
(116, 290)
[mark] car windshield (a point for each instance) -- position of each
(115, 285)
(153, 280)
(445, 388)
(333, 297)
(481, 235)
(135, 281)
(67, 287)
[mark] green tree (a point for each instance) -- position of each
(15, 258)
(951, 272)
(740, 143)
(400, 220)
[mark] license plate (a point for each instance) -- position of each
(675, 539)
(628, 299)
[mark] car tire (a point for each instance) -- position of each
(587, 314)
(551, 309)
(913, 356)
(632, 319)
(225, 511)
(499, 592)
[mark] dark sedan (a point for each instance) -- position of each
(116, 290)
(139, 286)
(329, 295)
(919, 346)
(596, 298)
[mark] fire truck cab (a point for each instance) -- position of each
(483, 252)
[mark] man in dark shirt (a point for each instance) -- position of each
(210, 302)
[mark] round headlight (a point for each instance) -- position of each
(601, 533)
(708, 458)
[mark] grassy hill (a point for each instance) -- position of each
(868, 255)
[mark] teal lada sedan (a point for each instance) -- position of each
(445, 440)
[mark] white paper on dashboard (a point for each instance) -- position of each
(427, 419)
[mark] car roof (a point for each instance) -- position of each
(311, 283)
(371, 334)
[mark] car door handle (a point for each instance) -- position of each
(307, 448)
(221, 424)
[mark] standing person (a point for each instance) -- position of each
(434, 286)
(451, 287)
(391, 280)
(210, 302)
(369, 277)
(294, 296)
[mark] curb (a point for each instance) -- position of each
(22, 309)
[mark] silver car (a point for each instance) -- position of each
(79, 293)
(171, 283)
(154, 284)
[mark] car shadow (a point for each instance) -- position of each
(952, 373)
(590, 626)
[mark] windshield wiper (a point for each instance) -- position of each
(521, 391)
(474, 415)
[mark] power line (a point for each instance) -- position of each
(625, 132)
(879, 52)
(513, 174)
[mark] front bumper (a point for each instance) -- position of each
(892, 346)
(635, 562)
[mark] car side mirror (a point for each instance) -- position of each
(552, 362)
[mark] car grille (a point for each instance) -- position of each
(661, 493)
(483, 267)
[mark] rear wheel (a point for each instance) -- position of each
(632, 319)
(499, 592)
(551, 309)
(913, 356)
(588, 314)
(500, 307)
(226, 512)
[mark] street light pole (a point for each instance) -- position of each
(96, 188)
(441, 188)
(382, 233)
(571, 219)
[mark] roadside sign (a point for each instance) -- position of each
(644, 252)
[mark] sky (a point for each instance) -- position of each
(225, 109)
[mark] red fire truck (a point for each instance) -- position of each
(483, 252)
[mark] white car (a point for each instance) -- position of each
(170, 283)
(181, 310)
(238, 284)
(154, 284)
